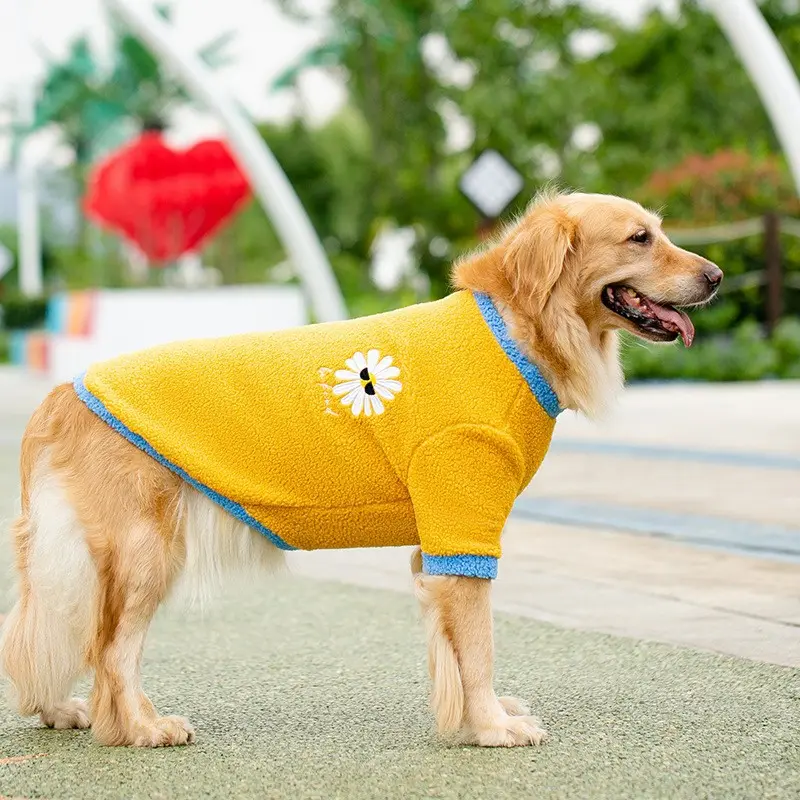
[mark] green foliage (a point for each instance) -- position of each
(23, 313)
(672, 88)
(5, 347)
(725, 185)
(95, 108)
(401, 170)
(659, 94)
(329, 169)
(8, 239)
(745, 355)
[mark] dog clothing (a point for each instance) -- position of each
(418, 426)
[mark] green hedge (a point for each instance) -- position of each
(23, 313)
(744, 355)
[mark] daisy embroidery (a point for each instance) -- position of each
(367, 382)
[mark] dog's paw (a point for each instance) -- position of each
(509, 731)
(514, 707)
(64, 716)
(165, 732)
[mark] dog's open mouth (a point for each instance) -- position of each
(662, 323)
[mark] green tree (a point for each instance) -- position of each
(671, 88)
(504, 67)
(95, 107)
(656, 93)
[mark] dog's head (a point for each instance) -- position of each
(607, 260)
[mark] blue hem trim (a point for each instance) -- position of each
(95, 405)
(468, 566)
(541, 389)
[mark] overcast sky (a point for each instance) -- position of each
(265, 42)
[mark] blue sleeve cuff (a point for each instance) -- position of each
(468, 566)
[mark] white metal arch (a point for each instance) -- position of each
(266, 177)
(768, 67)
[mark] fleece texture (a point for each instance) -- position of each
(420, 426)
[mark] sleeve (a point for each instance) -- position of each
(463, 482)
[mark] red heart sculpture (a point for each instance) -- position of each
(167, 202)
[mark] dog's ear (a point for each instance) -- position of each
(537, 251)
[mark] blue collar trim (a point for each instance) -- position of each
(541, 389)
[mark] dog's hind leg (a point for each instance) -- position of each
(133, 582)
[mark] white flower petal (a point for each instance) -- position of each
(358, 404)
(360, 361)
(346, 401)
(389, 372)
(351, 365)
(346, 375)
(383, 391)
(373, 357)
(367, 405)
(392, 386)
(383, 364)
(348, 386)
(377, 405)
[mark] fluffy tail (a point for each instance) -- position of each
(43, 640)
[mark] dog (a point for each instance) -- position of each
(416, 427)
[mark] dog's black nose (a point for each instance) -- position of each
(713, 274)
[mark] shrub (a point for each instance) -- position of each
(723, 186)
(23, 313)
(743, 355)
(716, 189)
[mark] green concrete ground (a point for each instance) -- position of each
(304, 689)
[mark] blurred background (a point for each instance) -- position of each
(374, 111)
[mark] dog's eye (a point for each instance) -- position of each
(640, 237)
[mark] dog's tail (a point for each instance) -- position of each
(43, 639)
(447, 692)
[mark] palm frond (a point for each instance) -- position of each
(214, 52)
(327, 54)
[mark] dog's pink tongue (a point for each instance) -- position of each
(677, 318)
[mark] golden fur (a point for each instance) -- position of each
(106, 531)
(548, 271)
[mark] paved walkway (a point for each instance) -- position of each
(307, 689)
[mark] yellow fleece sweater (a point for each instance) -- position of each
(422, 425)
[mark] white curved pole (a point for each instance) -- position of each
(266, 177)
(768, 67)
(29, 253)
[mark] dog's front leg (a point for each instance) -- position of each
(458, 617)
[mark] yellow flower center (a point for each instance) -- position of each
(367, 381)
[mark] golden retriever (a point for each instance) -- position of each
(106, 530)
